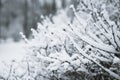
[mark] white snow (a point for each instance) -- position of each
(12, 51)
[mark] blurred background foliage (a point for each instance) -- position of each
(21, 15)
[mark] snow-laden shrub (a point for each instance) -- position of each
(86, 49)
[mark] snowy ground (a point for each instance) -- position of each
(12, 51)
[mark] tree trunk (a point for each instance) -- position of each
(25, 23)
(63, 3)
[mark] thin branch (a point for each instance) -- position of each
(113, 34)
(9, 72)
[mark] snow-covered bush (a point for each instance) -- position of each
(86, 49)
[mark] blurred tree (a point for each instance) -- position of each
(0, 13)
(63, 3)
(0, 4)
(25, 14)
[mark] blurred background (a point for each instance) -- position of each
(21, 15)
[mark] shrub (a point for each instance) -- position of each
(86, 49)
